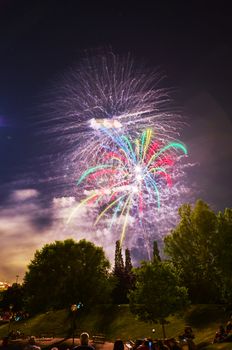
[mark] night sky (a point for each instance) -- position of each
(41, 40)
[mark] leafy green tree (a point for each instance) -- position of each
(157, 293)
(193, 247)
(223, 259)
(65, 273)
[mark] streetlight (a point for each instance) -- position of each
(74, 308)
(153, 332)
(10, 316)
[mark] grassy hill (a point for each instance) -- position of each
(117, 321)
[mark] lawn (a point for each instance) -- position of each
(118, 322)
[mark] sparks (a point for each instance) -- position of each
(130, 176)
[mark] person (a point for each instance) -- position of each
(186, 339)
(172, 344)
(220, 335)
(144, 345)
(161, 346)
(118, 345)
(188, 333)
(229, 327)
(32, 345)
(84, 340)
(137, 343)
(5, 342)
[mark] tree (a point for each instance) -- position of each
(123, 275)
(156, 254)
(157, 292)
(129, 274)
(12, 296)
(128, 263)
(224, 257)
(65, 273)
(118, 260)
(195, 247)
(119, 291)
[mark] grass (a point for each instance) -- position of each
(221, 346)
(118, 322)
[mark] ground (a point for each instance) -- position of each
(59, 342)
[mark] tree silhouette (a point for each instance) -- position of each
(65, 273)
(156, 255)
(158, 293)
(129, 274)
(195, 246)
(123, 275)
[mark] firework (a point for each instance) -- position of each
(100, 117)
(112, 92)
(128, 178)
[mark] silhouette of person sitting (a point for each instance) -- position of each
(84, 340)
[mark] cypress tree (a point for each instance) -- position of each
(128, 264)
(156, 255)
(129, 275)
(123, 275)
(119, 292)
(118, 261)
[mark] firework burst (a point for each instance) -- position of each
(113, 126)
(128, 177)
(112, 92)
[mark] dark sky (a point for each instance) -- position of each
(190, 41)
(40, 39)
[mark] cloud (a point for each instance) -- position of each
(28, 222)
(26, 225)
(42, 221)
(20, 233)
(23, 195)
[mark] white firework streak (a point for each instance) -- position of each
(108, 88)
(112, 92)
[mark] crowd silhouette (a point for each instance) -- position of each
(185, 342)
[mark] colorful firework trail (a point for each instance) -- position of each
(128, 178)
(108, 99)
(110, 91)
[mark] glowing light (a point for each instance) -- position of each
(139, 177)
(134, 189)
(138, 169)
(100, 124)
(126, 184)
(108, 92)
(105, 123)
